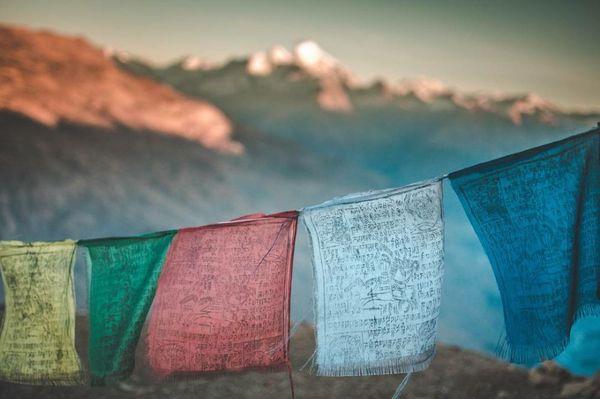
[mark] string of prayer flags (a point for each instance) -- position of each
(220, 294)
(123, 274)
(37, 344)
(223, 298)
(378, 267)
(537, 215)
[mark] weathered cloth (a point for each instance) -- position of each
(123, 273)
(223, 298)
(537, 215)
(378, 267)
(37, 344)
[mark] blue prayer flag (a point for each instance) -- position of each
(537, 215)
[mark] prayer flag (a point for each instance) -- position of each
(378, 267)
(537, 215)
(223, 299)
(37, 344)
(123, 273)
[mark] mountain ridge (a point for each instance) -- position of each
(52, 78)
(337, 84)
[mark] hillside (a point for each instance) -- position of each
(52, 79)
(454, 374)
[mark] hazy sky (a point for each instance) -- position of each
(548, 47)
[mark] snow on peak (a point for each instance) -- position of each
(425, 89)
(332, 76)
(259, 64)
(262, 63)
(313, 59)
(336, 83)
(279, 55)
(307, 55)
(514, 108)
(310, 55)
(532, 104)
(193, 63)
(315, 62)
(536, 102)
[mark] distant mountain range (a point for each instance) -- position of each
(337, 89)
(95, 142)
(307, 96)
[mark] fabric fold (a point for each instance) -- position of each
(378, 265)
(37, 341)
(123, 274)
(537, 216)
(223, 299)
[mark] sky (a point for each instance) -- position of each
(547, 47)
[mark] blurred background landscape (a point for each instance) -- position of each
(119, 119)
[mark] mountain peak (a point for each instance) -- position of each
(532, 104)
(315, 62)
(306, 55)
(312, 57)
(340, 90)
(279, 55)
(194, 63)
(259, 64)
(425, 89)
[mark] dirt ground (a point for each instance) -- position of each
(454, 374)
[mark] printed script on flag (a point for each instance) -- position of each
(37, 341)
(223, 299)
(378, 266)
(123, 277)
(537, 215)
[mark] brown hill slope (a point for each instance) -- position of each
(52, 78)
(454, 374)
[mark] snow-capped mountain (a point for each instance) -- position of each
(195, 63)
(306, 55)
(311, 59)
(514, 107)
(307, 95)
(340, 90)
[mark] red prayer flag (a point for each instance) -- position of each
(223, 298)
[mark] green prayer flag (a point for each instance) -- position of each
(37, 341)
(123, 273)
